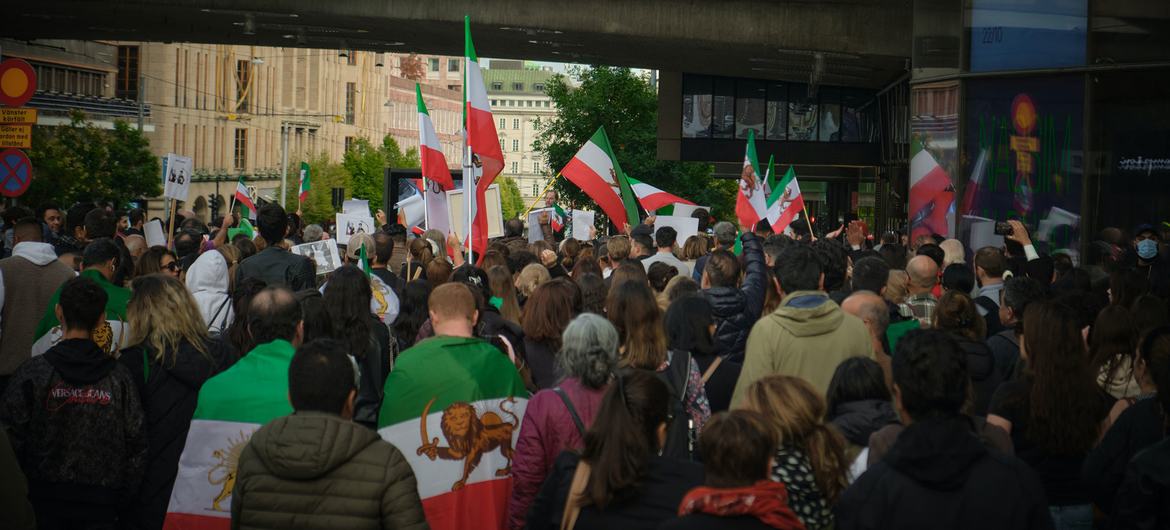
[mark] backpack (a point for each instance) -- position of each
(680, 432)
(992, 317)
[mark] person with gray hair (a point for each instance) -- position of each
(312, 233)
(725, 235)
(556, 418)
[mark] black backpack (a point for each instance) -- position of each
(680, 433)
(992, 317)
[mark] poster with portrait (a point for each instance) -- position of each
(350, 224)
(457, 212)
(323, 253)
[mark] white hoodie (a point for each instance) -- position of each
(207, 279)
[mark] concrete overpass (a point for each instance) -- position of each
(863, 43)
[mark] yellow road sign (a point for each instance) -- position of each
(18, 116)
(19, 136)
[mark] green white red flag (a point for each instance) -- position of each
(931, 194)
(230, 407)
(442, 391)
(487, 158)
(557, 219)
(436, 175)
(785, 203)
(751, 202)
(305, 182)
(652, 198)
(596, 171)
(244, 199)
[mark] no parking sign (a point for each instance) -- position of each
(15, 173)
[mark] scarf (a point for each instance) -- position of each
(765, 500)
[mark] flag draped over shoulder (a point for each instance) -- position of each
(652, 198)
(443, 391)
(487, 158)
(596, 171)
(231, 406)
(751, 202)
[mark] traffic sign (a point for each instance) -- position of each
(17, 82)
(22, 116)
(15, 173)
(16, 136)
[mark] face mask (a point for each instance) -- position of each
(1147, 249)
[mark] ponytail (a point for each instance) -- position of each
(623, 437)
(826, 454)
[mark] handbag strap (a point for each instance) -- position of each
(573, 501)
(214, 317)
(711, 369)
(572, 411)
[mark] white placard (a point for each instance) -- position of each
(457, 212)
(177, 176)
(686, 210)
(356, 207)
(411, 210)
(153, 230)
(685, 226)
(348, 225)
(323, 253)
(534, 231)
(582, 221)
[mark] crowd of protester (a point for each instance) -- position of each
(738, 379)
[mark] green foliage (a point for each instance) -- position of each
(79, 161)
(627, 107)
(366, 166)
(394, 156)
(327, 175)
(511, 203)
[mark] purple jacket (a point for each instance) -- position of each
(547, 430)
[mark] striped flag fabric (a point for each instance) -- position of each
(305, 182)
(363, 260)
(557, 220)
(785, 202)
(751, 202)
(453, 405)
(230, 407)
(487, 159)
(652, 198)
(244, 199)
(596, 171)
(931, 194)
(770, 178)
(435, 172)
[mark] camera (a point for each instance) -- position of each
(1003, 229)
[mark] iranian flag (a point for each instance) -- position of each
(557, 220)
(436, 175)
(785, 202)
(244, 199)
(487, 159)
(596, 171)
(931, 194)
(770, 178)
(751, 203)
(443, 391)
(652, 198)
(230, 407)
(305, 184)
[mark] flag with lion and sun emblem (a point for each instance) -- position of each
(453, 407)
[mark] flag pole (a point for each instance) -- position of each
(171, 225)
(811, 235)
(537, 199)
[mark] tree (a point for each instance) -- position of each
(327, 175)
(627, 107)
(80, 162)
(367, 168)
(511, 202)
(394, 156)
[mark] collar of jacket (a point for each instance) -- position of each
(277, 348)
(804, 299)
(96, 276)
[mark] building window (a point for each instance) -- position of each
(503, 123)
(497, 85)
(516, 123)
(536, 167)
(452, 65)
(350, 102)
(519, 87)
(515, 146)
(434, 64)
(243, 90)
(127, 83)
(539, 87)
(535, 187)
(501, 144)
(348, 143)
(515, 167)
(240, 161)
(494, 102)
(350, 57)
(528, 103)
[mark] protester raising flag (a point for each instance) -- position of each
(363, 261)
(305, 184)
(785, 202)
(557, 219)
(244, 199)
(487, 159)
(770, 178)
(436, 176)
(751, 203)
(596, 171)
(652, 198)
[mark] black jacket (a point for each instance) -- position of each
(736, 310)
(656, 499)
(1137, 428)
(858, 419)
(277, 266)
(1143, 501)
(939, 475)
(76, 424)
(168, 392)
(542, 361)
(1005, 347)
(985, 378)
(702, 521)
(721, 385)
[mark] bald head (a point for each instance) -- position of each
(275, 315)
(870, 308)
(135, 244)
(923, 273)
